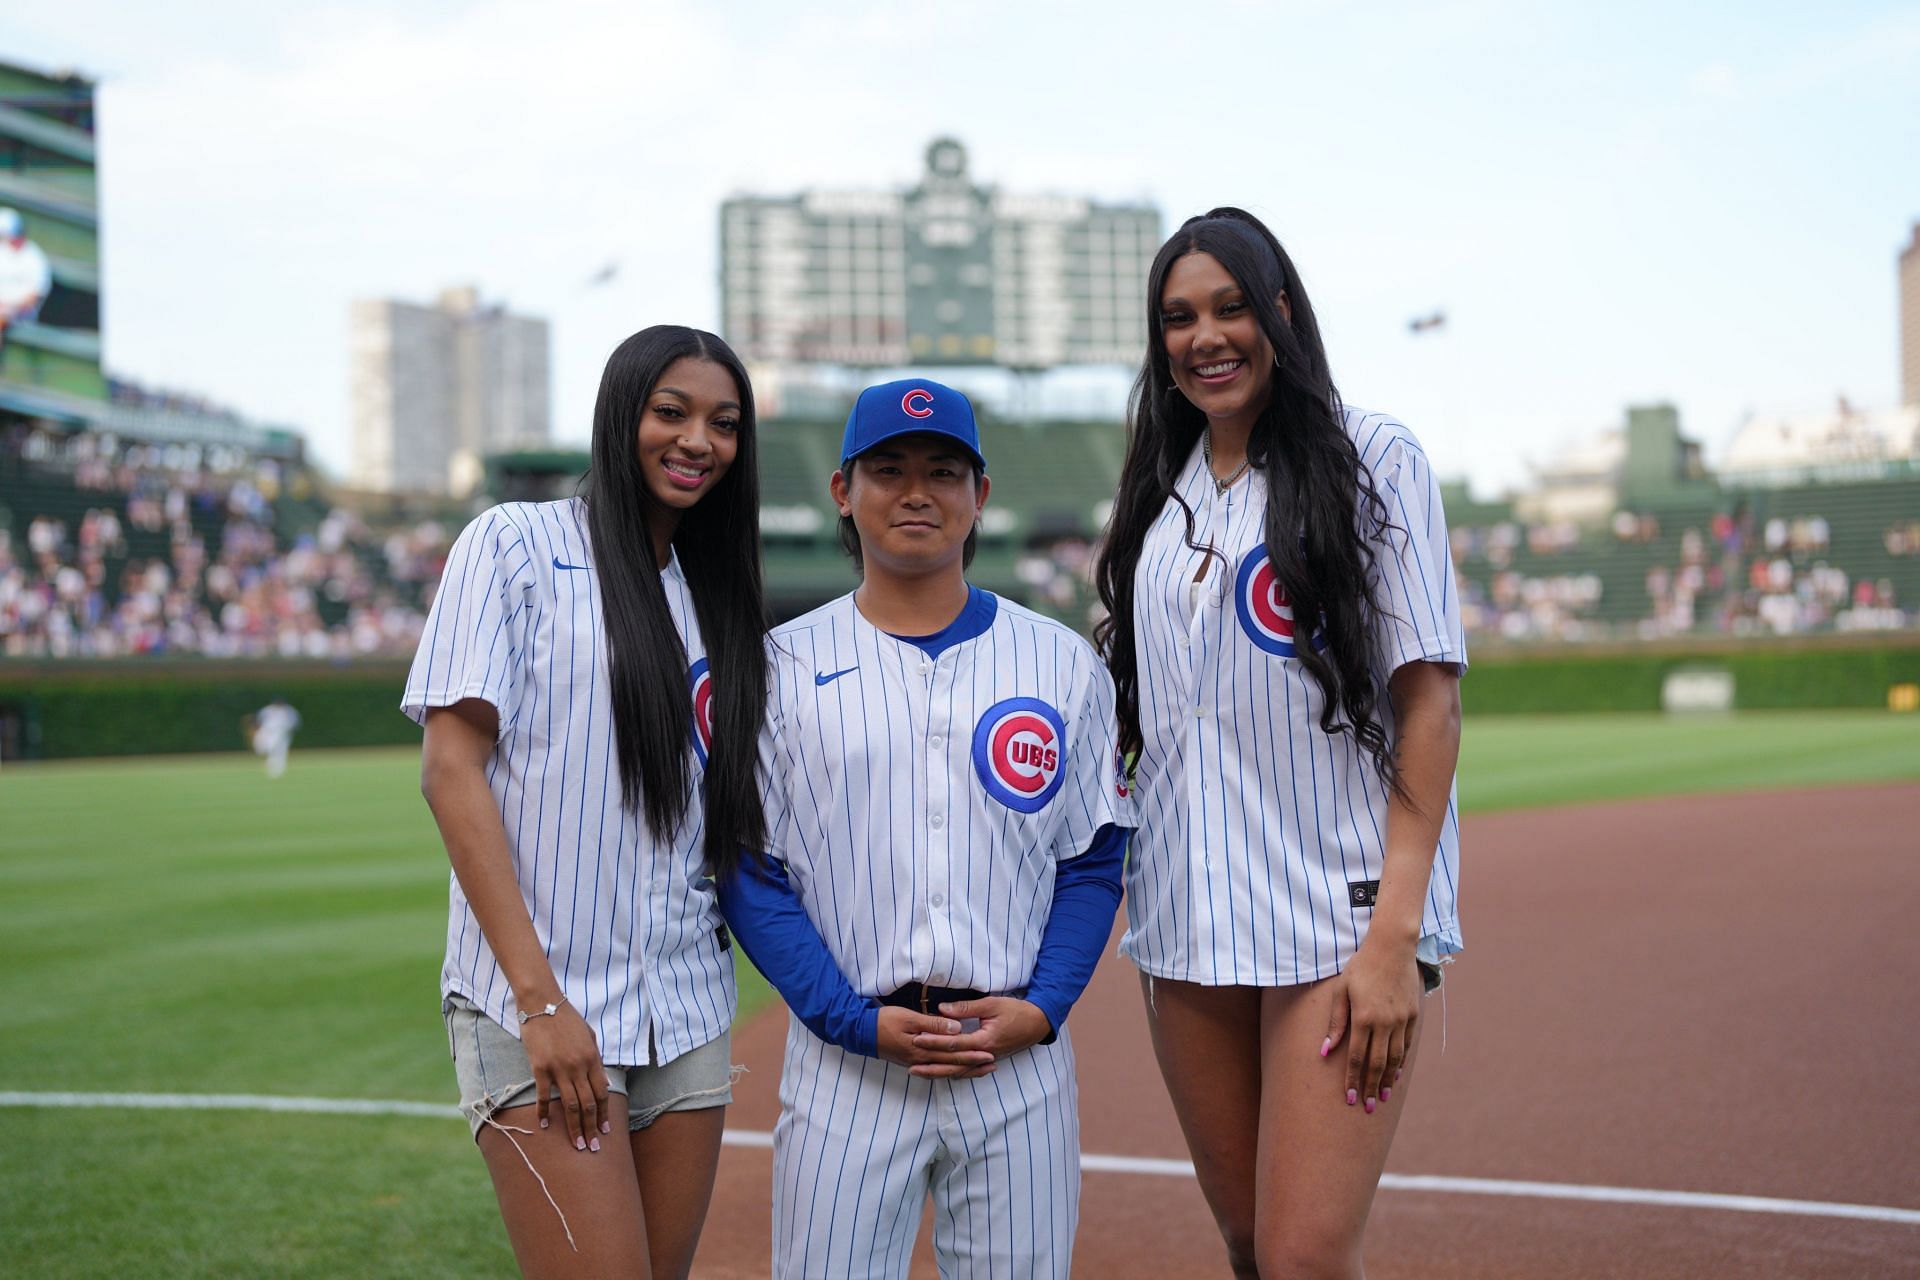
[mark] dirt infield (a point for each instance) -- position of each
(1705, 994)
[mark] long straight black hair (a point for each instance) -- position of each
(718, 544)
(1320, 496)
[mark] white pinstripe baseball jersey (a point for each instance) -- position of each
(629, 924)
(920, 803)
(1259, 831)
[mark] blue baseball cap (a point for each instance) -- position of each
(912, 406)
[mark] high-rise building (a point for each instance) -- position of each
(436, 389)
(1910, 320)
(947, 272)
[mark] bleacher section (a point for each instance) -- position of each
(1705, 563)
(114, 549)
(1858, 516)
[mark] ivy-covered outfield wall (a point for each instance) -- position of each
(53, 710)
(1839, 671)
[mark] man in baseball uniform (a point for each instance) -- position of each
(25, 275)
(946, 835)
(273, 727)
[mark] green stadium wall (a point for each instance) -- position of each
(63, 710)
(60, 711)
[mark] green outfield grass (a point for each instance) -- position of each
(183, 925)
(1512, 762)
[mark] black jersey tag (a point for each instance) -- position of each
(1361, 893)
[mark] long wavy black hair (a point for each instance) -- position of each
(1320, 495)
(718, 543)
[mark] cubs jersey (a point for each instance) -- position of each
(920, 802)
(1262, 837)
(629, 923)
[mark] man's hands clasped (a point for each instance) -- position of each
(938, 1045)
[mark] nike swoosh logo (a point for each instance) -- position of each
(558, 563)
(819, 678)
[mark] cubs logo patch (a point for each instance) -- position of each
(917, 403)
(1266, 615)
(1122, 785)
(700, 683)
(1019, 748)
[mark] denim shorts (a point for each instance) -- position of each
(494, 1073)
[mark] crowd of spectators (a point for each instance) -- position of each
(180, 555)
(208, 549)
(1732, 575)
(1903, 539)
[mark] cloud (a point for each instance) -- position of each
(1716, 81)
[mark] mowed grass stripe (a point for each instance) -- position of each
(1529, 762)
(163, 1194)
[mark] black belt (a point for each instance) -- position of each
(925, 999)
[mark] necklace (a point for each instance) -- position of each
(1206, 452)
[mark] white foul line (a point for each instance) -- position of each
(1090, 1163)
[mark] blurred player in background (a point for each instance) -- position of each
(944, 860)
(25, 274)
(1286, 641)
(592, 680)
(271, 733)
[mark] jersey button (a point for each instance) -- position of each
(936, 742)
(937, 821)
(1199, 713)
(926, 668)
(938, 900)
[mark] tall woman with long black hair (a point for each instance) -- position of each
(1286, 647)
(592, 682)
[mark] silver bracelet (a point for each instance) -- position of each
(552, 1008)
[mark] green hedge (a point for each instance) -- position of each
(1766, 676)
(120, 710)
(82, 709)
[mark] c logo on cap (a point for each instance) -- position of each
(921, 394)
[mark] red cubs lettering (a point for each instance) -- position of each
(1013, 742)
(1033, 753)
(926, 403)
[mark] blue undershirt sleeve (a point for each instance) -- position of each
(1086, 893)
(765, 914)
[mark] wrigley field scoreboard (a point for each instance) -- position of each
(945, 273)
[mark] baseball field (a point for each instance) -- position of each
(1685, 974)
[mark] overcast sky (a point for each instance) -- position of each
(1613, 203)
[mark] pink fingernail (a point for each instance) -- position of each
(1386, 1093)
(543, 1124)
(606, 1126)
(1396, 1075)
(1369, 1106)
(595, 1144)
(1326, 1046)
(580, 1144)
(1353, 1096)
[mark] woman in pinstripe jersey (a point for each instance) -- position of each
(592, 682)
(1286, 647)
